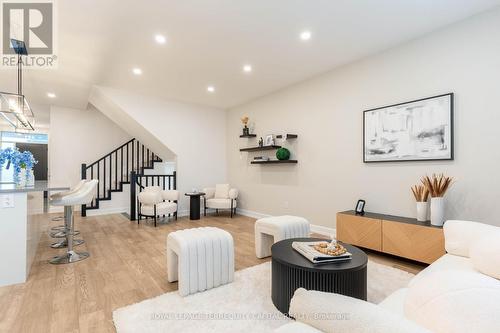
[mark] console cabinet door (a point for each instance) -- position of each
(424, 244)
(360, 231)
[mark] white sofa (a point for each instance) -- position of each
(458, 293)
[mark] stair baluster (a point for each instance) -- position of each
(118, 165)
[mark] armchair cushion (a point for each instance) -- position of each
(171, 195)
(209, 192)
(222, 191)
(220, 203)
(162, 208)
(329, 312)
(150, 197)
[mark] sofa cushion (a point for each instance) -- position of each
(485, 255)
(455, 301)
(296, 327)
(337, 313)
(222, 191)
(446, 262)
(460, 235)
(395, 302)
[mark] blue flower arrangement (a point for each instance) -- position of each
(18, 160)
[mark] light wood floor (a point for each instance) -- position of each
(127, 265)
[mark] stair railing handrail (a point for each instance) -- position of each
(109, 154)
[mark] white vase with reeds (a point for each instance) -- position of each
(437, 186)
(421, 196)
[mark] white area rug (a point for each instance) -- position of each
(242, 306)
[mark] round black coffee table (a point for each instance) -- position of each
(194, 205)
(290, 271)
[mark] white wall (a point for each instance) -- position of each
(76, 137)
(326, 113)
(194, 134)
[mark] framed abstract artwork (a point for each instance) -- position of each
(420, 130)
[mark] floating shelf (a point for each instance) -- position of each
(275, 162)
(287, 136)
(248, 136)
(260, 148)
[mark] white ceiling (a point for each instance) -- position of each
(209, 42)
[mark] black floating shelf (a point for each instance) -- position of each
(275, 162)
(260, 148)
(287, 136)
(248, 136)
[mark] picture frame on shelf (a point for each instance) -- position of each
(269, 140)
(360, 207)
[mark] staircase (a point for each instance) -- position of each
(118, 168)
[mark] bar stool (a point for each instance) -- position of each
(83, 196)
(58, 195)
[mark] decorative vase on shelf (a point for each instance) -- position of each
(437, 211)
(422, 211)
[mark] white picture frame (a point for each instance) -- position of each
(269, 140)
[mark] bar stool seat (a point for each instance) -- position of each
(59, 195)
(83, 196)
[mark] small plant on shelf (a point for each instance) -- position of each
(244, 121)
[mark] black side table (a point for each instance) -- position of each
(290, 271)
(194, 205)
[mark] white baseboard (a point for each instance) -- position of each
(251, 213)
(325, 231)
(106, 211)
(318, 229)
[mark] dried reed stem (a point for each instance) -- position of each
(420, 192)
(437, 185)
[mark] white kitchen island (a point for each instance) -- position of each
(21, 226)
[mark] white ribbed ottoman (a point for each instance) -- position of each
(270, 230)
(200, 259)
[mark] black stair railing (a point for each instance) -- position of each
(140, 181)
(114, 169)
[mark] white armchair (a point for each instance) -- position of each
(154, 202)
(220, 197)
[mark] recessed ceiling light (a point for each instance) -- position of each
(160, 39)
(305, 35)
(137, 71)
(247, 68)
(211, 89)
(51, 95)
